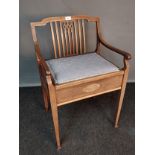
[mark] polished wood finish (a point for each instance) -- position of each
(68, 34)
(122, 92)
(53, 39)
(44, 87)
(68, 39)
(123, 53)
(84, 36)
(88, 89)
(58, 40)
(76, 37)
(54, 109)
(90, 79)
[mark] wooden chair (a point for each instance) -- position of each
(73, 74)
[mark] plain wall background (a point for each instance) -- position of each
(117, 25)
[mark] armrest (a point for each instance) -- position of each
(121, 52)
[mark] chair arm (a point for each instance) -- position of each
(44, 65)
(126, 55)
(42, 62)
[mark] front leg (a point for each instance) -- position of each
(126, 70)
(54, 109)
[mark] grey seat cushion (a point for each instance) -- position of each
(79, 67)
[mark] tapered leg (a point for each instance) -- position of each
(122, 93)
(56, 124)
(119, 107)
(54, 110)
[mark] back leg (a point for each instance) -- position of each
(45, 97)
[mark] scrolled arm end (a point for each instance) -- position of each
(126, 55)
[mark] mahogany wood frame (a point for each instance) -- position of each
(61, 94)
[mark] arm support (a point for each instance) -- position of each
(41, 60)
(126, 55)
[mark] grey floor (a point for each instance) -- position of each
(86, 126)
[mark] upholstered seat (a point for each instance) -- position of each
(78, 67)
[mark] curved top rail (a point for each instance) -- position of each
(44, 21)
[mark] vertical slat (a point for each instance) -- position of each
(84, 36)
(69, 39)
(66, 40)
(73, 39)
(80, 36)
(58, 40)
(62, 38)
(76, 36)
(53, 38)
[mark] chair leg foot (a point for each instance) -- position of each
(116, 126)
(119, 108)
(58, 147)
(56, 123)
(57, 134)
